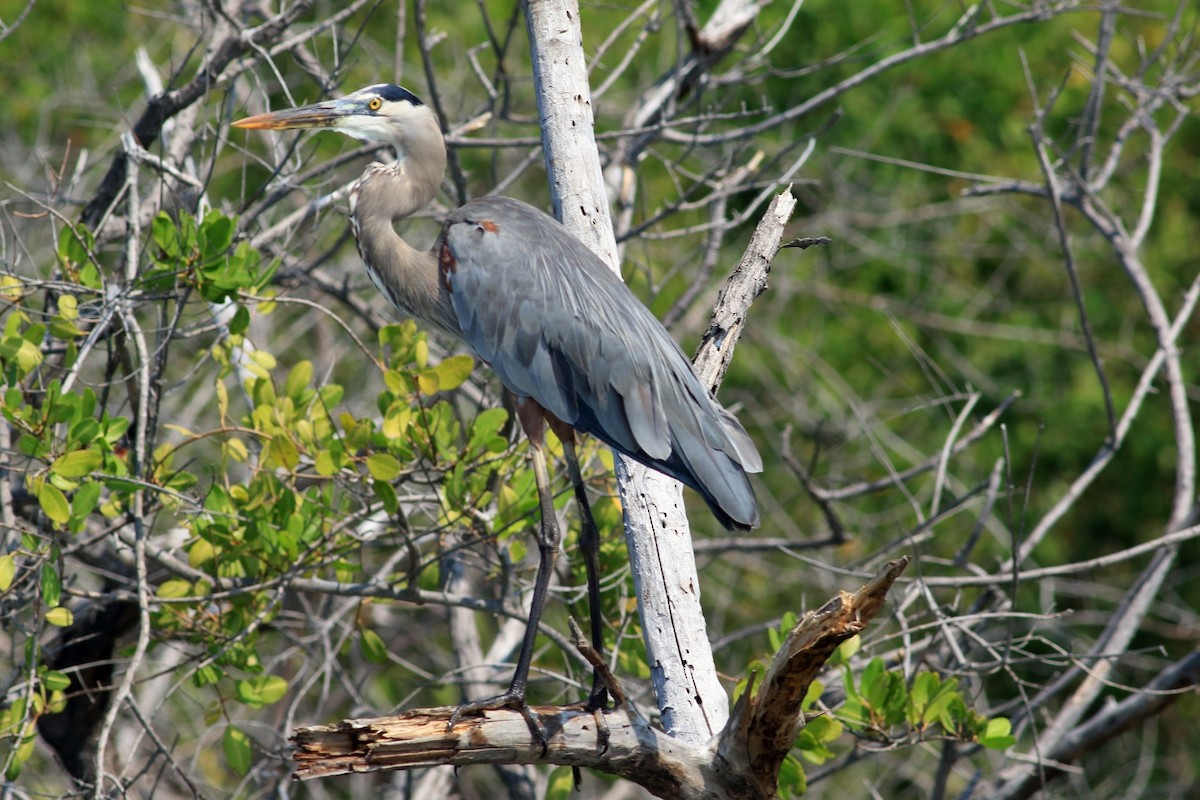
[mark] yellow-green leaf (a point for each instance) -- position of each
(55, 681)
(427, 381)
(222, 399)
(325, 465)
(54, 503)
(397, 419)
(383, 466)
(261, 691)
(68, 306)
(235, 448)
(263, 359)
(10, 288)
(77, 463)
(282, 452)
(453, 371)
(173, 589)
(8, 570)
(200, 553)
(60, 616)
(298, 379)
(28, 355)
(395, 382)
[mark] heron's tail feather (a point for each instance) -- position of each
(718, 474)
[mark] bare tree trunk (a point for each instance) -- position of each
(693, 703)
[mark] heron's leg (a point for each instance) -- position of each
(531, 416)
(589, 545)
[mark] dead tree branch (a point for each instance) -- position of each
(742, 761)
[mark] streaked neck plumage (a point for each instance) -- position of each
(389, 193)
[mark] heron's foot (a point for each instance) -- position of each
(596, 704)
(511, 699)
(598, 698)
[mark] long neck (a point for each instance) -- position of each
(385, 195)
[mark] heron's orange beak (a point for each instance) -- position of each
(317, 115)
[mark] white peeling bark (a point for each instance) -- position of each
(692, 701)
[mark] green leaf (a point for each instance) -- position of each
(774, 639)
(387, 496)
(872, 680)
(236, 745)
(115, 428)
(486, 428)
(216, 233)
(55, 681)
(240, 322)
(60, 616)
(953, 711)
(383, 466)
(792, 780)
(925, 686)
(64, 329)
(260, 691)
(825, 728)
(8, 570)
(815, 690)
(51, 586)
(845, 651)
(77, 463)
(207, 675)
(372, 646)
(19, 756)
(84, 431)
(165, 235)
(998, 734)
(331, 394)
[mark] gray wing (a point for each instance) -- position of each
(558, 326)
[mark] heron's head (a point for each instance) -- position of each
(381, 113)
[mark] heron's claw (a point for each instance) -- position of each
(510, 699)
(597, 699)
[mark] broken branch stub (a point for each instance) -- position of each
(764, 724)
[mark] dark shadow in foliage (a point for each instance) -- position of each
(85, 653)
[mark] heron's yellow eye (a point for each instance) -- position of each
(375, 104)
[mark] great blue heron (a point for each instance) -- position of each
(568, 339)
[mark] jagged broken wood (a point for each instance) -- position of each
(742, 761)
